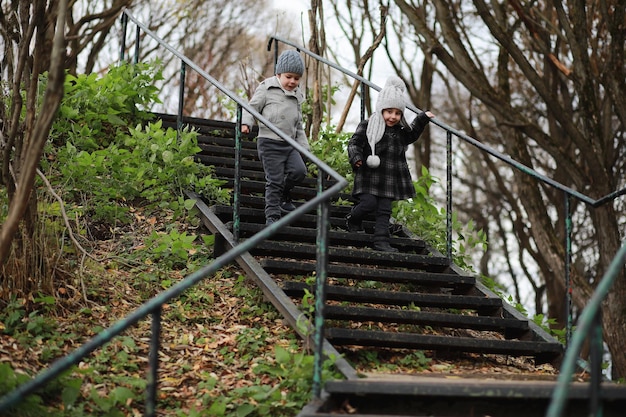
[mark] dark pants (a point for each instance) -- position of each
(381, 206)
(284, 168)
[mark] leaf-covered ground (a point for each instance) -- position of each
(209, 344)
(214, 338)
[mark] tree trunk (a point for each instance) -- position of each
(614, 307)
(22, 204)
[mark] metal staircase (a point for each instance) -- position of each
(415, 299)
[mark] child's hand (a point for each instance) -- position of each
(245, 129)
(358, 164)
(430, 114)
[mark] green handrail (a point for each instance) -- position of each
(585, 323)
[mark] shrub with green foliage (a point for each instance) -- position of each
(108, 155)
(149, 165)
(332, 148)
(97, 111)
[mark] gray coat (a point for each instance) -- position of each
(392, 179)
(281, 107)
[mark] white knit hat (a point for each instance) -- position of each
(391, 96)
(290, 61)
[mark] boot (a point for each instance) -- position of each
(271, 220)
(384, 246)
(354, 226)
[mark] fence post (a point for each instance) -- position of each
(449, 194)
(153, 364)
(237, 183)
(568, 279)
(320, 291)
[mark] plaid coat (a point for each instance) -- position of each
(392, 179)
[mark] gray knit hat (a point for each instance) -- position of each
(391, 96)
(290, 61)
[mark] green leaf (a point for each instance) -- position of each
(168, 157)
(121, 394)
(218, 408)
(282, 355)
(245, 409)
(71, 391)
(189, 204)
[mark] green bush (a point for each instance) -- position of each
(96, 111)
(106, 165)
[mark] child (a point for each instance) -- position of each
(279, 99)
(381, 141)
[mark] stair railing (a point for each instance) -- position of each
(568, 193)
(153, 307)
(587, 322)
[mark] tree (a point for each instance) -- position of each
(41, 42)
(355, 24)
(547, 85)
(226, 39)
(317, 45)
(221, 39)
(23, 139)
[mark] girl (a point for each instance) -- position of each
(381, 141)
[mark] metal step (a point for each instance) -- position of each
(292, 250)
(460, 284)
(456, 396)
(484, 306)
(337, 237)
(510, 328)
(543, 352)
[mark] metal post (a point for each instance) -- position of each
(320, 291)
(269, 48)
(153, 364)
(595, 404)
(363, 97)
(449, 195)
(124, 28)
(237, 183)
(568, 279)
(137, 33)
(181, 98)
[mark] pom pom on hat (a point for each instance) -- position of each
(391, 96)
(373, 161)
(290, 61)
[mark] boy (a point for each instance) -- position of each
(279, 99)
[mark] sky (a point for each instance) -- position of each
(295, 5)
